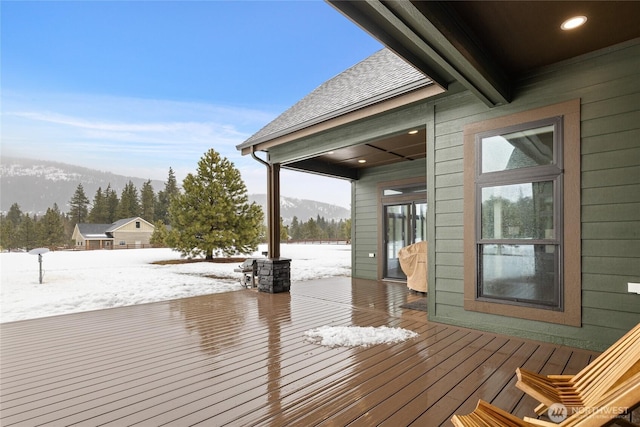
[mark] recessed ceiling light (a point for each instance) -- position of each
(331, 152)
(573, 22)
(362, 161)
(412, 132)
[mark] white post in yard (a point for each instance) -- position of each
(39, 252)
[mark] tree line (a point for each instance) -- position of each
(317, 229)
(19, 230)
(210, 215)
(106, 207)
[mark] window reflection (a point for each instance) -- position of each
(518, 211)
(526, 148)
(520, 273)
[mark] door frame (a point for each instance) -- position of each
(410, 227)
(392, 200)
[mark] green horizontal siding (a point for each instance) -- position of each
(366, 213)
(608, 86)
(604, 143)
(454, 286)
(609, 89)
(624, 175)
(624, 247)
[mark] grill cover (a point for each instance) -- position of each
(413, 261)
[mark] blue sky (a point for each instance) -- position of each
(136, 87)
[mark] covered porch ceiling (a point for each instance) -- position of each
(346, 162)
(485, 46)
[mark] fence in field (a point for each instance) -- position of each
(319, 242)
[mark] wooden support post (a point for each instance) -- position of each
(273, 207)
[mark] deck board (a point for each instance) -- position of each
(240, 358)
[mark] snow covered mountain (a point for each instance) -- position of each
(37, 184)
(303, 209)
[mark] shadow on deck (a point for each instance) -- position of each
(239, 358)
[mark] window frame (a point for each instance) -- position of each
(564, 172)
(525, 175)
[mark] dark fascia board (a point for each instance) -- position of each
(407, 31)
(373, 18)
(322, 168)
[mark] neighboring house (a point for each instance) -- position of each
(92, 236)
(129, 232)
(511, 146)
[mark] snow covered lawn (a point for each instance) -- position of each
(91, 280)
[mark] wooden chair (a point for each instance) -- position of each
(613, 403)
(487, 415)
(618, 363)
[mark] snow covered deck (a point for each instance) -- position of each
(240, 358)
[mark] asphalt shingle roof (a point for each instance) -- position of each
(96, 230)
(93, 230)
(119, 223)
(381, 76)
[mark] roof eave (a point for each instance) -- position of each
(414, 36)
(402, 96)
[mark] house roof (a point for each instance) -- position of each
(93, 231)
(103, 231)
(122, 222)
(484, 47)
(381, 76)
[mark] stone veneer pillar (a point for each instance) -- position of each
(274, 275)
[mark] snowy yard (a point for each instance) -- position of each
(91, 280)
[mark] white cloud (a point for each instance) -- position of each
(123, 133)
(144, 137)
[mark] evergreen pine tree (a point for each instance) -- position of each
(345, 229)
(52, 228)
(159, 236)
(165, 196)
(148, 202)
(15, 214)
(129, 205)
(27, 233)
(213, 213)
(284, 231)
(294, 229)
(99, 213)
(8, 234)
(311, 230)
(79, 206)
(112, 202)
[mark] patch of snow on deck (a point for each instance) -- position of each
(357, 336)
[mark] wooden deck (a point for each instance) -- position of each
(240, 359)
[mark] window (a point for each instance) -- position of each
(137, 224)
(519, 216)
(522, 215)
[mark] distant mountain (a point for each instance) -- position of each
(303, 209)
(37, 184)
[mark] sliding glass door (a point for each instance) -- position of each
(405, 224)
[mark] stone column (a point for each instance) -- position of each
(274, 275)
